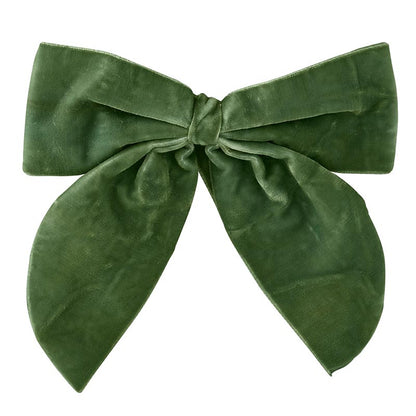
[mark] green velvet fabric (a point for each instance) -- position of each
(265, 153)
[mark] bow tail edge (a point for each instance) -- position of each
(100, 250)
(329, 286)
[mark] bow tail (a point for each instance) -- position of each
(308, 240)
(101, 248)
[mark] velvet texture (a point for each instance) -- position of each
(265, 152)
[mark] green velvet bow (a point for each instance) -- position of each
(265, 153)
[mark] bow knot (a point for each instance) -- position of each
(206, 120)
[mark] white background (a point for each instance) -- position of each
(208, 342)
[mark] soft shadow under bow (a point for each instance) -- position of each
(265, 152)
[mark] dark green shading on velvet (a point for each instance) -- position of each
(265, 152)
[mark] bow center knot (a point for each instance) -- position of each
(206, 120)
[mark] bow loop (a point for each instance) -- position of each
(341, 112)
(85, 106)
(206, 121)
